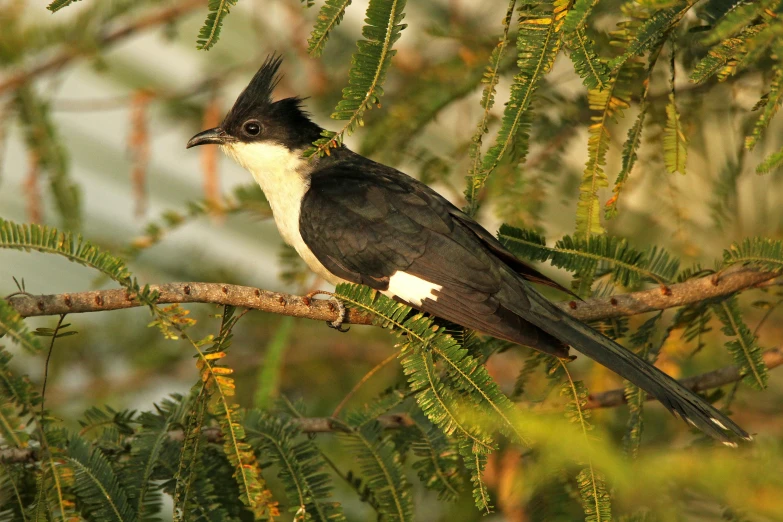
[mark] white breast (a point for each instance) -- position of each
(284, 176)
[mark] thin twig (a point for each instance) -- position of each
(364, 379)
(68, 54)
(46, 365)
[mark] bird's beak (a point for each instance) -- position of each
(217, 136)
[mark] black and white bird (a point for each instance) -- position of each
(352, 219)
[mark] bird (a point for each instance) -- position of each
(354, 220)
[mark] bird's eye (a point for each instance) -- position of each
(252, 128)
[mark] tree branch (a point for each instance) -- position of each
(732, 280)
(68, 54)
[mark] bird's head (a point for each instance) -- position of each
(258, 131)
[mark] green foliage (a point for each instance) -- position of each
(773, 100)
(722, 59)
(17, 395)
(210, 32)
(186, 494)
(416, 105)
(641, 340)
(744, 348)
(490, 80)
(145, 454)
(538, 42)
(610, 103)
(577, 16)
(675, 152)
(443, 400)
(587, 64)
(380, 466)
(59, 4)
(765, 253)
(308, 488)
(12, 325)
(220, 390)
(50, 241)
(329, 17)
(369, 66)
(771, 163)
(438, 464)
(593, 492)
(96, 484)
(627, 265)
(648, 35)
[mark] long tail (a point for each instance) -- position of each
(673, 395)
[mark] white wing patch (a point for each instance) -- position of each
(411, 288)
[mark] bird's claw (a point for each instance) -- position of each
(337, 324)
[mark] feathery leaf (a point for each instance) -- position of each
(369, 66)
(538, 42)
(220, 388)
(329, 17)
(771, 163)
(635, 397)
(610, 102)
(381, 467)
(649, 33)
(675, 152)
(722, 59)
(210, 32)
(490, 79)
(744, 348)
(577, 16)
(190, 455)
(588, 65)
(308, 488)
(12, 325)
(765, 253)
(592, 486)
(438, 462)
(59, 4)
(773, 100)
(95, 484)
(74, 248)
(628, 266)
(737, 19)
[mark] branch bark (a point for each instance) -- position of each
(66, 55)
(732, 280)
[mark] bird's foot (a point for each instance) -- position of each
(334, 304)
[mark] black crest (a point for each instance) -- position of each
(259, 90)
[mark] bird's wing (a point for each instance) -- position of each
(392, 233)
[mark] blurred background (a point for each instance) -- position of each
(122, 115)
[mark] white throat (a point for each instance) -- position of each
(284, 176)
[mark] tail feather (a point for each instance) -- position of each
(674, 396)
